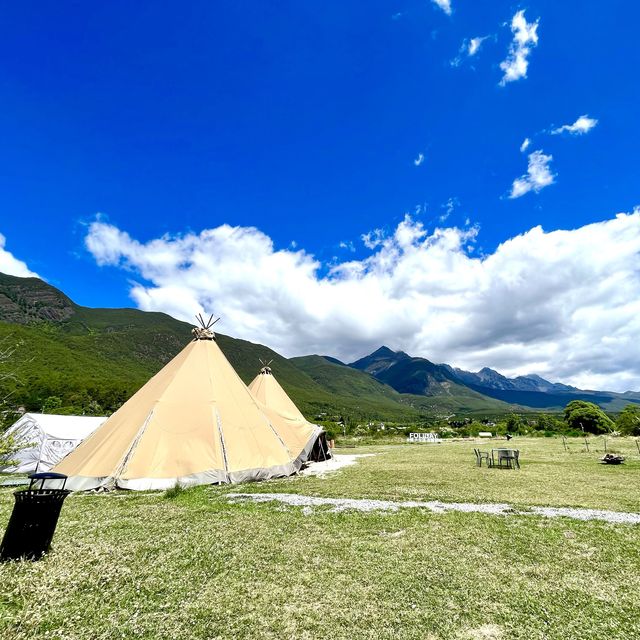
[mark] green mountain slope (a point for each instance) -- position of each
(94, 359)
(444, 399)
(340, 380)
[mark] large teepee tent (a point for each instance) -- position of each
(275, 401)
(194, 422)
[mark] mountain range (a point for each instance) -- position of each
(92, 360)
(408, 374)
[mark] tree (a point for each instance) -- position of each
(51, 404)
(514, 424)
(8, 444)
(589, 417)
(628, 421)
(547, 423)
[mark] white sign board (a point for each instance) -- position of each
(424, 437)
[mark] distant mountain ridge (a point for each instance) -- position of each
(440, 399)
(487, 377)
(405, 374)
(417, 375)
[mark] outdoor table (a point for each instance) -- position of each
(508, 456)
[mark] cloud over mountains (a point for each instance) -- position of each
(564, 304)
(11, 265)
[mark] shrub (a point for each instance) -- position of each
(628, 421)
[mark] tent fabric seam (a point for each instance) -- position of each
(223, 446)
(121, 469)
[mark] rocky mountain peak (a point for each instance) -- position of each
(28, 300)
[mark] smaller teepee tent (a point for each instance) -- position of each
(46, 439)
(275, 401)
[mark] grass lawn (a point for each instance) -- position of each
(127, 565)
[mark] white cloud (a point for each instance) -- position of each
(10, 265)
(373, 239)
(582, 125)
(419, 160)
(468, 49)
(347, 245)
(538, 175)
(474, 45)
(525, 37)
(445, 5)
(449, 207)
(525, 145)
(564, 304)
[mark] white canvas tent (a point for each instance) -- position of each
(47, 439)
(194, 422)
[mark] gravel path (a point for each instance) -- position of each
(345, 504)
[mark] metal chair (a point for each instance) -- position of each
(480, 456)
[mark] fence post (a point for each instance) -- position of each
(564, 442)
(586, 443)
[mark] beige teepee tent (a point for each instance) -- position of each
(276, 403)
(267, 390)
(194, 422)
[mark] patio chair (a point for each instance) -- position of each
(510, 458)
(480, 456)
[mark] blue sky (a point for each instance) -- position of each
(305, 121)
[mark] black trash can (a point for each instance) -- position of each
(34, 519)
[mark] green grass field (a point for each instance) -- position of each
(128, 565)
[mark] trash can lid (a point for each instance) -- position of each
(47, 475)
